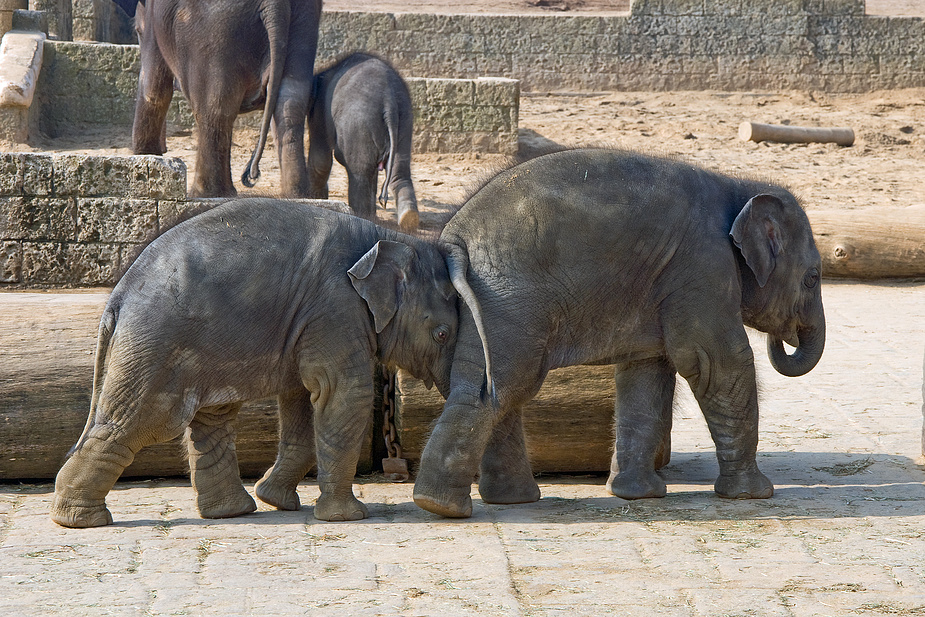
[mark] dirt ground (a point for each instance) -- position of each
(884, 167)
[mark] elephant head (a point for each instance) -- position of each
(413, 305)
(781, 294)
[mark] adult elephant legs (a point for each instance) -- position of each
(296, 454)
(505, 474)
(642, 412)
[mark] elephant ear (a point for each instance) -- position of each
(377, 277)
(757, 231)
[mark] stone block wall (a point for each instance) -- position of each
(828, 45)
(73, 219)
(85, 86)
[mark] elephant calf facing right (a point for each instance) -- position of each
(252, 299)
(611, 257)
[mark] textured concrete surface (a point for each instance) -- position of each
(843, 535)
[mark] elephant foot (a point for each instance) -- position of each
(744, 485)
(458, 505)
(636, 485)
(408, 220)
(280, 497)
(340, 508)
(495, 490)
(226, 506)
(79, 517)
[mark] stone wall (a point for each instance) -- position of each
(73, 219)
(828, 45)
(86, 86)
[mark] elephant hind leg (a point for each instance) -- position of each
(296, 455)
(86, 478)
(645, 393)
(213, 463)
(505, 474)
(105, 449)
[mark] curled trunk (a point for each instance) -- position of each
(806, 355)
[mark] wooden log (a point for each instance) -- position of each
(756, 132)
(569, 424)
(47, 344)
(871, 243)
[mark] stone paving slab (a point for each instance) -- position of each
(843, 535)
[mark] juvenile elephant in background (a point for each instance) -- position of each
(254, 298)
(229, 57)
(362, 114)
(610, 257)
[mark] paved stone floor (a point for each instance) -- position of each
(843, 535)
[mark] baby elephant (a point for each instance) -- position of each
(251, 299)
(362, 113)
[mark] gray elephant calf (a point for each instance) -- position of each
(362, 113)
(251, 299)
(611, 257)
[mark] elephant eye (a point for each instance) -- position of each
(811, 279)
(441, 334)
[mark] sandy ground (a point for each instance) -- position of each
(883, 167)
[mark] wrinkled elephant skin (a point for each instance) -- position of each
(611, 257)
(229, 57)
(256, 298)
(362, 115)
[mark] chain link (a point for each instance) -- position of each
(389, 433)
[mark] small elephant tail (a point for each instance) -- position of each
(391, 122)
(458, 264)
(103, 340)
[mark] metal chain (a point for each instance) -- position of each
(389, 433)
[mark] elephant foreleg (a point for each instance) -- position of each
(723, 381)
(214, 463)
(296, 455)
(642, 414)
(505, 473)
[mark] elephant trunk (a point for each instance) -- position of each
(457, 264)
(806, 355)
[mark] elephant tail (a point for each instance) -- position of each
(458, 265)
(103, 340)
(275, 19)
(391, 123)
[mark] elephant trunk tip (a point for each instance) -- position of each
(803, 359)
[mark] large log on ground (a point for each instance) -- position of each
(871, 243)
(47, 346)
(569, 424)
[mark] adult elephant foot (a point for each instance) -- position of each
(79, 516)
(275, 494)
(750, 484)
(340, 508)
(638, 485)
(225, 504)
